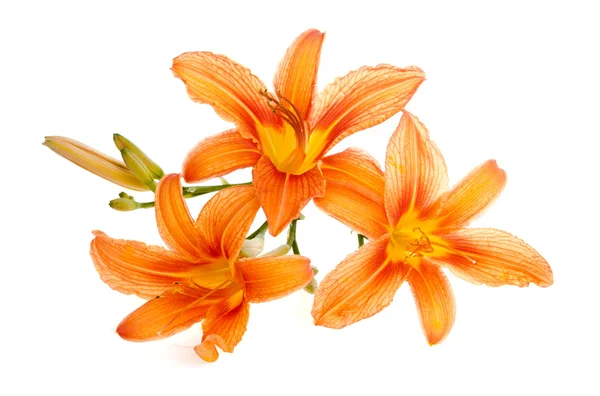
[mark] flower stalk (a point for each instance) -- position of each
(292, 241)
(361, 240)
(126, 203)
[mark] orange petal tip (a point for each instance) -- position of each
(207, 351)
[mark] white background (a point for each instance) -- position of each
(513, 81)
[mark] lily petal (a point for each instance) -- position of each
(231, 89)
(359, 287)
(500, 259)
(162, 317)
(219, 155)
(361, 99)
(283, 195)
(132, 267)
(225, 220)
(434, 299)
(415, 171)
(173, 219)
(224, 327)
(269, 278)
(354, 194)
(296, 75)
(472, 195)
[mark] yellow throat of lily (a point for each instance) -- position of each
(292, 149)
(215, 275)
(414, 238)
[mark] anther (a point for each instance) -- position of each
(292, 117)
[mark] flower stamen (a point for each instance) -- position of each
(193, 304)
(421, 245)
(292, 117)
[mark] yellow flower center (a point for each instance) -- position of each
(292, 149)
(406, 244)
(212, 275)
(413, 238)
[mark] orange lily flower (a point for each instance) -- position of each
(416, 226)
(202, 277)
(285, 135)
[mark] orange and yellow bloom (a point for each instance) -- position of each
(416, 226)
(202, 277)
(285, 135)
(210, 271)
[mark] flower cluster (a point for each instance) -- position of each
(212, 269)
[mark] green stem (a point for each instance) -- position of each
(260, 230)
(191, 192)
(295, 248)
(361, 240)
(292, 237)
(194, 191)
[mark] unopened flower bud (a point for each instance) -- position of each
(253, 247)
(94, 161)
(311, 287)
(124, 204)
(314, 269)
(281, 250)
(138, 168)
(123, 143)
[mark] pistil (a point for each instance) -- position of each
(420, 246)
(405, 245)
(199, 301)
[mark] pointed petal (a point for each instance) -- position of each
(162, 317)
(296, 75)
(231, 89)
(225, 220)
(269, 278)
(224, 327)
(219, 155)
(173, 219)
(472, 195)
(434, 299)
(354, 193)
(361, 99)
(415, 171)
(500, 259)
(132, 267)
(359, 287)
(283, 195)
